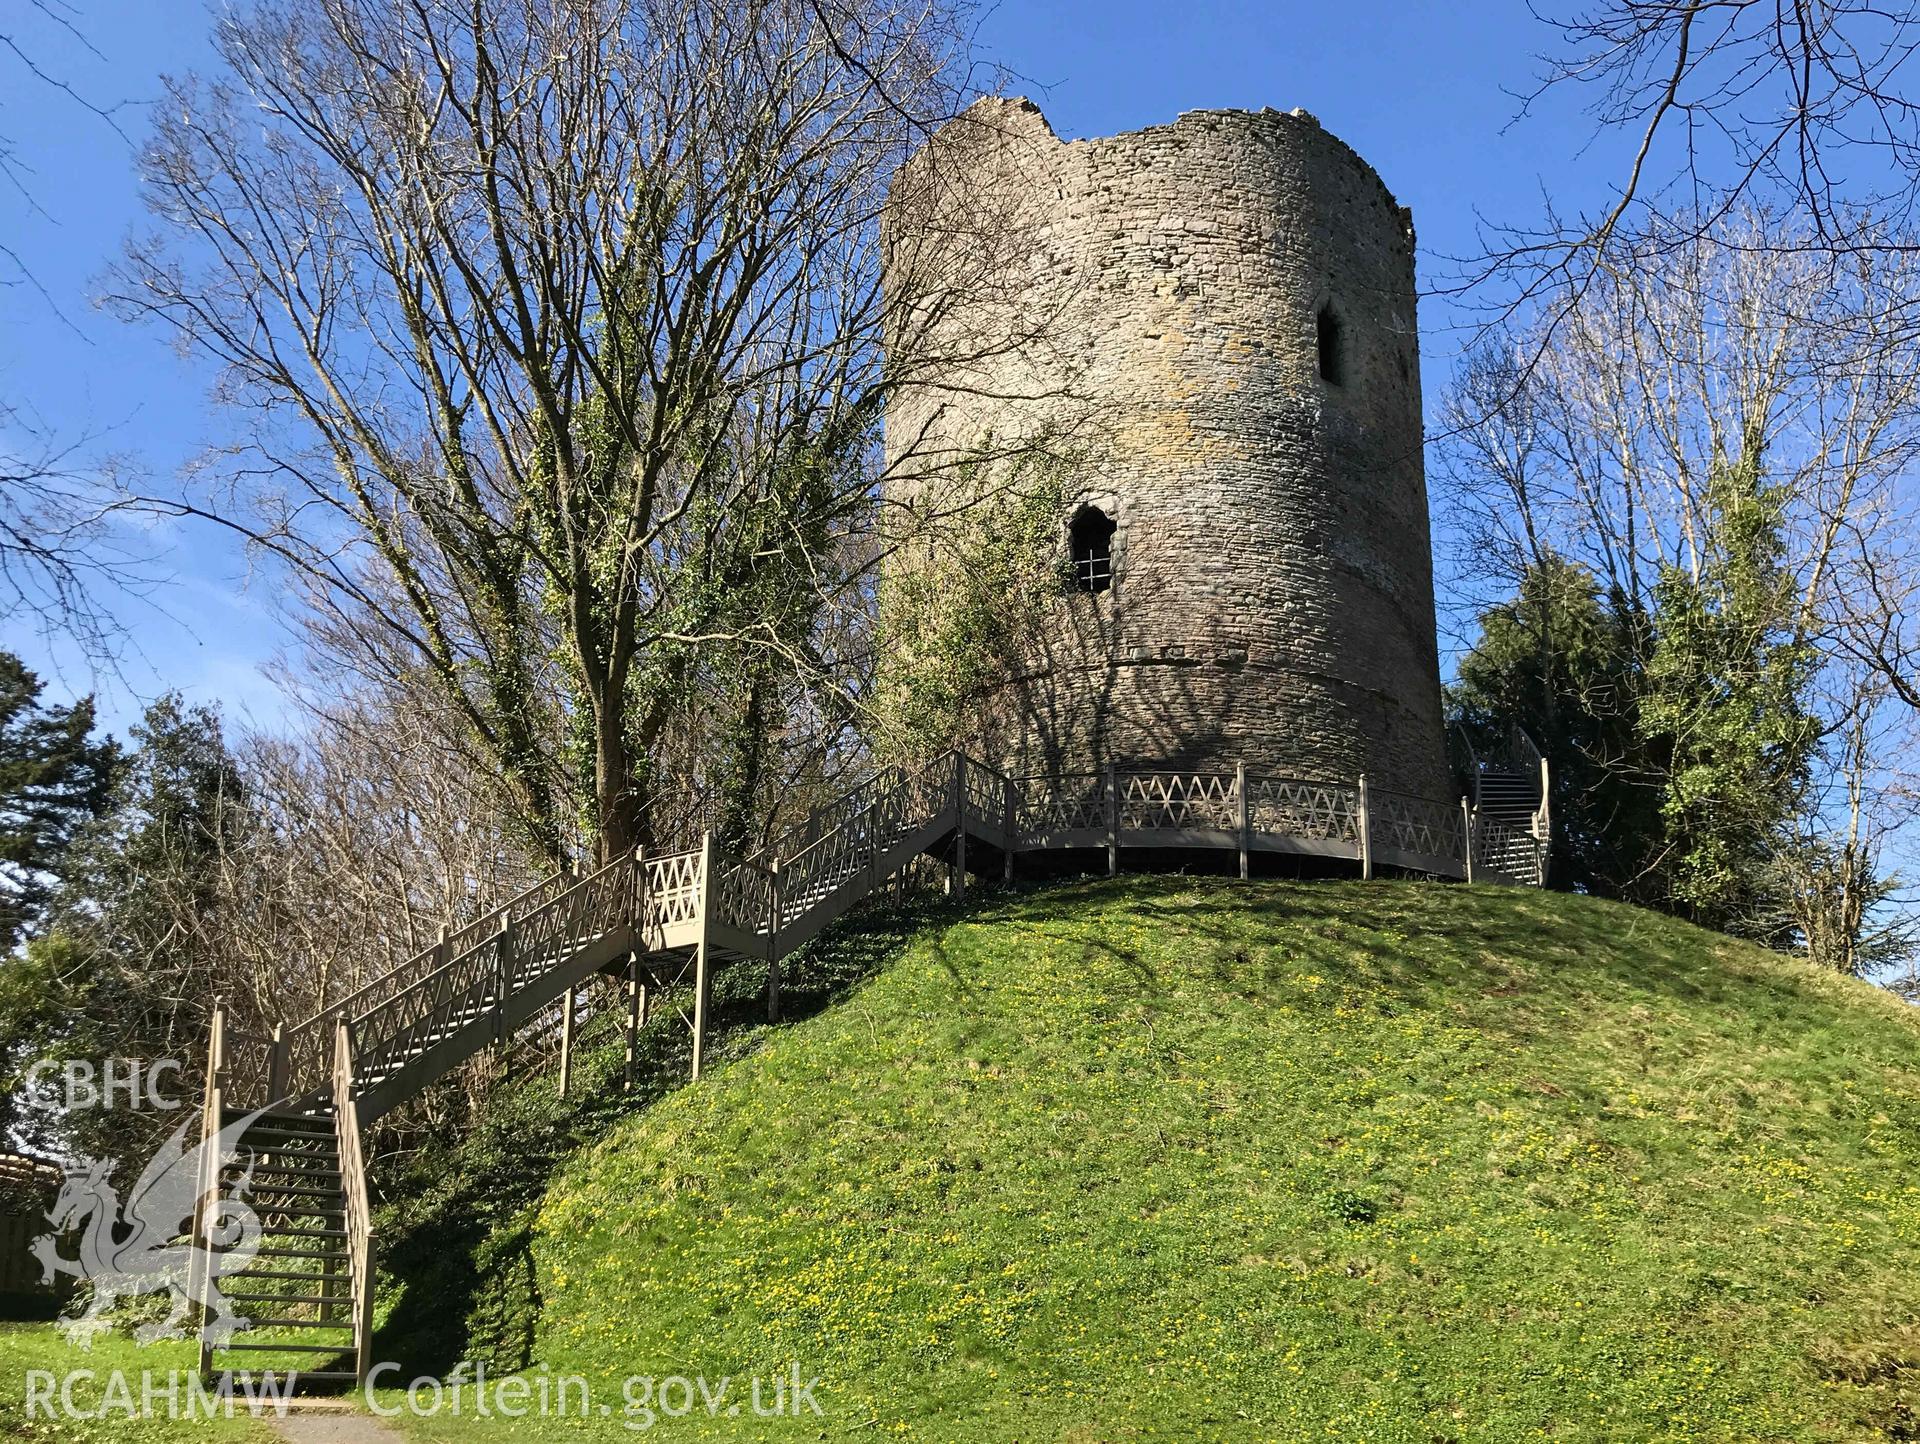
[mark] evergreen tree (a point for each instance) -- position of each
(136, 950)
(1564, 663)
(1726, 692)
(54, 776)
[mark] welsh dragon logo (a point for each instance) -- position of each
(145, 1246)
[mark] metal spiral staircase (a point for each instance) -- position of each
(662, 924)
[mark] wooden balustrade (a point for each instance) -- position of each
(504, 970)
(770, 900)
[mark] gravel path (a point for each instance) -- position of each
(334, 1426)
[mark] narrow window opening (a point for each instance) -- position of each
(1090, 538)
(1332, 368)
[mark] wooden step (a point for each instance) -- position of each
(312, 1277)
(273, 1118)
(299, 1122)
(320, 1300)
(307, 1232)
(338, 1255)
(291, 1189)
(261, 1324)
(291, 1166)
(275, 1139)
(265, 1379)
(289, 1173)
(288, 1348)
(322, 1133)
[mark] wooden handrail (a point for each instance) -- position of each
(353, 1189)
(207, 1187)
(847, 844)
(334, 1009)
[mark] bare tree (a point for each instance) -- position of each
(1598, 439)
(558, 328)
(69, 538)
(1849, 910)
(62, 549)
(372, 829)
(1593, 435)
(1733, 103)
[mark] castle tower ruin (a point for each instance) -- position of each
(1221, 311)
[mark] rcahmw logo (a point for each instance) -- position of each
(82, 1395)
(128, 1249)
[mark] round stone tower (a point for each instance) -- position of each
(1218, 317)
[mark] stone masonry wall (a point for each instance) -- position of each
(1273, 597)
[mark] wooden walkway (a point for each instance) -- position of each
(663, 923)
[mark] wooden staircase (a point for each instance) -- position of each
(300, 1293)
(661, 924)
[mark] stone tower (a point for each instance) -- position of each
(1221, 310)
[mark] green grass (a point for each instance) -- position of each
(456, 1223)
(98, 1414)
(1182, 1159)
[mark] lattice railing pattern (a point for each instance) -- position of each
(743, 896)
(830, 817)
(593, 907)
(983, 793)
(913, 802)
(824, 865)
(671, 895)
(1415, 825)
(309, 1046)
(309, 1053)
(517, 906)
(465, 987)
(247, 1059)
(1070, 803)
(1311, 811)
(857, 802)
(896, 805)
(1178, 801)
(557, 923)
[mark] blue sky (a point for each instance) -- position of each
(1425, 92)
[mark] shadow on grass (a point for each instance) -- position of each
(1395, 945)
(455, 1220)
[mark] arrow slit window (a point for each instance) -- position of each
(1332, 362)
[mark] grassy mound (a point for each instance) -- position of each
(1202, 1160)
(455, 1221)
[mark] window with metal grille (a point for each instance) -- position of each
(1090, 539)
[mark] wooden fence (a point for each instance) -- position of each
(26, 1191)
